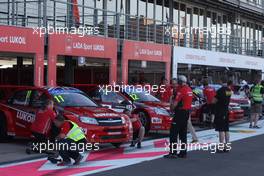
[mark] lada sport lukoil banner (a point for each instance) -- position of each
(145, 51)
(23, 40)
(84, 46)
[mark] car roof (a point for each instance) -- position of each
(58, 89)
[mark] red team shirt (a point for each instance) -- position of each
(42, 123)
(209, 94)
(184, 95)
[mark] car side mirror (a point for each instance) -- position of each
(10, 101)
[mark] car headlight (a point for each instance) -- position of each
(161, 111)
(88, 120)
(123, 119)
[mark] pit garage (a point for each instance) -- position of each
(21, 56)
(81, 60)
(198, 64)
(144, 63)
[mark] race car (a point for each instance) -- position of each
(235, 111)
(101, 125)
(111, 99)
(153, 113)
(243, 101)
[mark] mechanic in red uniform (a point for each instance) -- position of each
(182, 106)
(209, 94)
(42, 125)
(165, 90)
(138, 129)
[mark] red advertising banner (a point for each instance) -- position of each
(23, 40)
(134, 50)
(86, 46)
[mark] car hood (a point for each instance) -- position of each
(96, 112)
(155, 104)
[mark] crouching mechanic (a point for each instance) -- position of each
(181, 106)
(138, 129)
(71, 135)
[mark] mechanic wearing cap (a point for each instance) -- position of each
(71, 134)
(181, 106)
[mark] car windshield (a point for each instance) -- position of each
(112, 97)
(73, 99)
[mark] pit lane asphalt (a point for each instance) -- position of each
(246, 158)
(14, 150)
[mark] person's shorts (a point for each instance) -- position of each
(208, 109)
(221, 122)
(256, 108)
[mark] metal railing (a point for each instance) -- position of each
(55, 13)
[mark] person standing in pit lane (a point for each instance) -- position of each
(221, 101)
(181, 106)
(209, 94)
(175, 87)
(256, 95)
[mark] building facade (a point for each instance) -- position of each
(224, 26)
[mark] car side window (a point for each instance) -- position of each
(22, 98)
(38, 97)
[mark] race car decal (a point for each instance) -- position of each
(156, 120)
(28, 117)
(106, 115)
(134, 96)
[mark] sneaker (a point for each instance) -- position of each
(256, 127)
(182, 156)
(220, 151)
(194, 141)
(170, 156)
(64, 163)
(226, 151)
(139, 145)
(250, 126)
(78, 160)
(132, 144)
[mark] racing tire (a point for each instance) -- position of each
(116, 145)
(145, 120)
(3, 128)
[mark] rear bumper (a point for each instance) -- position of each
(236, 115)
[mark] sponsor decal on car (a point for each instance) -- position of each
(25, 116)
(106, 115)
(156, 120)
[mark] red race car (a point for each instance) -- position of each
(154, 114)
(101, 125)
(235, 111)
(113, 100)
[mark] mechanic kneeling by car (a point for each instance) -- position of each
(71, 134)
(138, 129)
